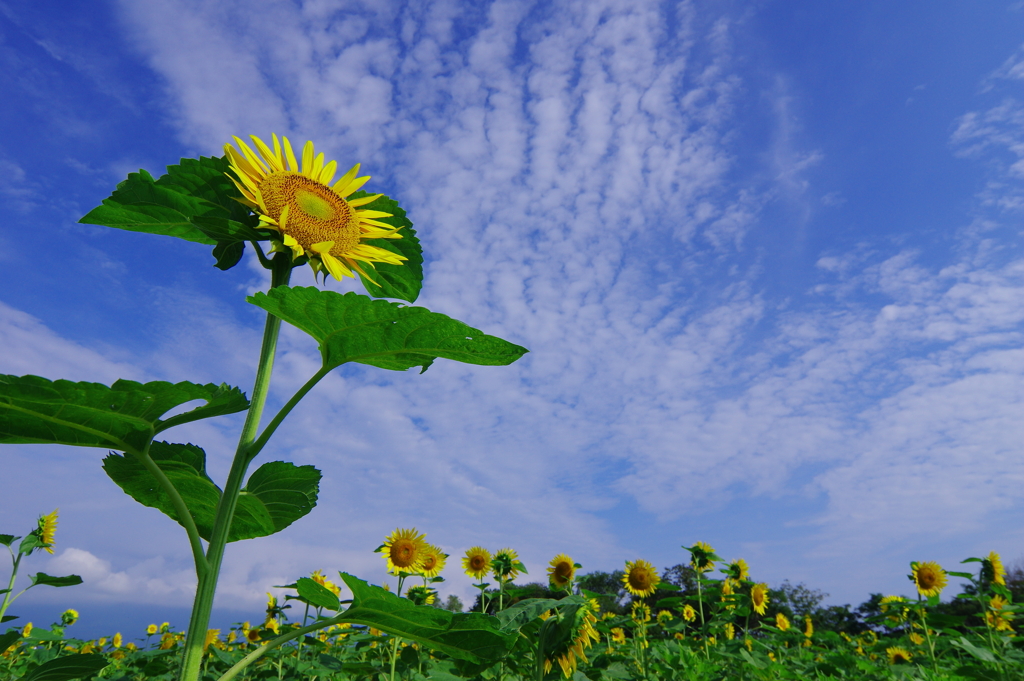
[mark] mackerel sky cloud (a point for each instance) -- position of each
(767, 262)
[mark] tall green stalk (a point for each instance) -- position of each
(207, 585)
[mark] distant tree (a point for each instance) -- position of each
(1015, 579)
(798, 599)
(452, 603)
(609, 586)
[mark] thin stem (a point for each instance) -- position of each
(181, 508)
(8, 599)
(256, 447)
(207, 586)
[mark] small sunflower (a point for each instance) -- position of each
(737, 570)
(151, 629)
(421, 595)
(641, 613)
(404, 551)
(899, 610)
(702, 557)
(47, 528)
(641, 579)
(730, 631)
(618, 635)
(759, 598)
(505, 565)
(561, 571)
(898, 655)
(312, 217)
(916, 638)
(69, 617)
(689, 614)
(433, 561)
(477, 562)
(808, 627)
(929, 578)
(664, 617)
(994, 569)
(997, 616)
(781, 621)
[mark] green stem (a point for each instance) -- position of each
(8, 599)
(181, 508)
(256, 447)
(207, 586)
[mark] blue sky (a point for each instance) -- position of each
(766, 257)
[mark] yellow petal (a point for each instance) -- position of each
(354, 185)
(268, 155)
(346, 179)
(372, 213)
(290, 155)
(318, 165)
(362, 201)
(335, 267)
(327, 174)
(307, 158)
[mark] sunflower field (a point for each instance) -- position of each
(704, 619)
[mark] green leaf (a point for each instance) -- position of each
(525, 611)
(277, 493)
(49, 580)
(317, 594)
(6, 618)
(963, 575)
(70, 667)
(395, 281)
(124, 416)
(983, 654)
(467, 636)
(354, 328)
(10, 638)
(7, 539)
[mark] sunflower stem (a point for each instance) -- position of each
(261, 441)
(207, 585)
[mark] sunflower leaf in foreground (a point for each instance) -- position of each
(277, 493)
(395, 281)
(355, 328)
(124, 416)
(69, 667)
(474, 637)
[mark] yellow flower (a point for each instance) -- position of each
(421, 595)
(312, 217)
(759, 598)
(618, 635)
(404, 551)
(505, 565)
(730, 631)
(117, 640)
(26, 631)
(749, 643)
(898, 614)
(165, 627)
(663, 617)
(997, 617)
(151, 629)
(582, 635)
(433, 561)
(782, 622)
(477, 562)
(700, 557)
(995, 564)
(69, 617)
(808, 627)
(641, 579)
(561, 571)
(689, 614)
(916, 638)
(319, 578)
(47, 528)
(898, 655)
(738, 570)
(272, 625)
(929, 578)
(211, 636)
(640, 613)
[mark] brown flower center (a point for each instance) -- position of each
(315, 212)
(639, 579)
(403, 553)
(477, 563)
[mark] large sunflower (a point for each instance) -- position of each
(929, 578)
(759, 598)
(47, 529)
(404, 551)
(641, 579)
(994, 569)
(561, 571)
(312, 217)
(582, 634)
(477, 562)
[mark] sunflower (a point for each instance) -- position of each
(730, 631)
(641, 579)
(561, 571)
(689, 614)
(582, 634)
(640, 613)
(69, 617)
(618, 635)
(994, 569)
(997, 617)
(898, 655)
(47, 528)
(899, 614)
(506, 565)
(808, 626)
(781, 621)
(737, 570)
(701, 557)
(404, 551)
(312, 217)
(319, 578)
(433, 561)
(421, 595)
(663, 617)
(929, 578)
(759, 598)
(916, 638)
(477, 562)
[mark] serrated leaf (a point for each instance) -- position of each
(355, 328)
(395, 281)
(124, 416)
(68, 667)
(467, 636)
(525, 611)
(205, 178)
(50, 580)
(277, 493)
(317, 594)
